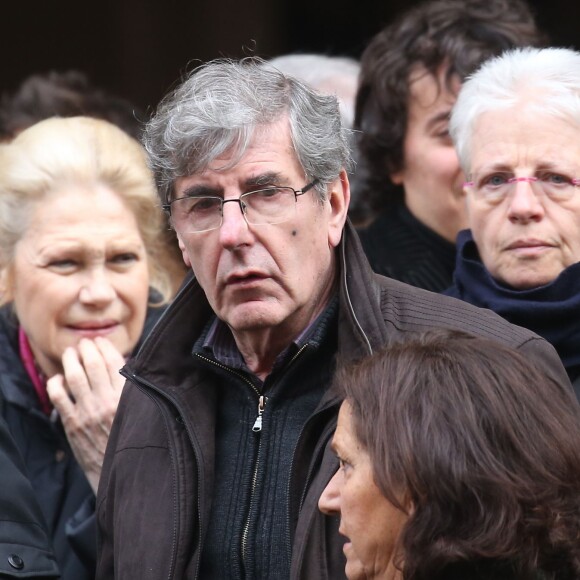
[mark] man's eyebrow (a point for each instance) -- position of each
(268, 178)
(198, 190)
(257, 181)
(551, 166)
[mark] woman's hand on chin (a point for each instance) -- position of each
(86, 397)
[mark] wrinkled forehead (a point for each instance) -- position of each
(230, 141)
(524, 137)
(271, 141)
(266, 155)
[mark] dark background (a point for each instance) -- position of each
(139, 48)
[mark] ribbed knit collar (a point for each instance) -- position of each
(551, 311)
(217, 339)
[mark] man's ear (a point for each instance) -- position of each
(184, 253)
(339, 198)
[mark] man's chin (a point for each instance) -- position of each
(254, 316)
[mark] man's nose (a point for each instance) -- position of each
(234, 230)
(524, 204)
(329, 502)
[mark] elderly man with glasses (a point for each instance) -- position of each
(220, 447)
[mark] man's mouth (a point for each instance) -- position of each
(244, 279)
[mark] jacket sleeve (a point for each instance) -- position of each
(25, 550)
(541, 353)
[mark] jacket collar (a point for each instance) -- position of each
(361, 327)
(551, 310)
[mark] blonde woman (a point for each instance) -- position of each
(80, 258)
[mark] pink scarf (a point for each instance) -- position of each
(36, 376)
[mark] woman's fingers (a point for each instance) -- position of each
(86, 396)
(59, 396)
(114, 361)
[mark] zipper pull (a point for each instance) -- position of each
(258, 422)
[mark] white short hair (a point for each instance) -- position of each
(545, 80)
(335, 75)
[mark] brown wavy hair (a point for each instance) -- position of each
(64, 94)
(485, 448)
(458, 33)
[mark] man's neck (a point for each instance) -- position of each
(261, 347)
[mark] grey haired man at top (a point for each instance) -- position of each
(220, 447)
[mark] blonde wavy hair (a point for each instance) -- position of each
(80, 151)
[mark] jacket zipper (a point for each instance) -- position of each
(256, 467)
(257, 427)
(244, 543)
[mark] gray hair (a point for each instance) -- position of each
(222, 104)
(333, 75)
(546, 81)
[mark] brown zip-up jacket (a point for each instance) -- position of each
(154, 498)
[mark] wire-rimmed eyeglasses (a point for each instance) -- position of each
(496, 187)
(268, 206)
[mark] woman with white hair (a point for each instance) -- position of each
(516, 127)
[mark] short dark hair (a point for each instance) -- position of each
(458, 33)
(483, 445)
(64, 94)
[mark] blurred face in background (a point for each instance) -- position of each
(527, 236)
(431, 176)
(370, 523)
(79, 270)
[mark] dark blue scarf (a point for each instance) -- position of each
(552, 311)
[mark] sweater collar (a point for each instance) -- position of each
(551, 311)
(218, 341)
(359, 311)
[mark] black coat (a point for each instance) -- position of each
(401, 247)
(25, 548)
(62, 490)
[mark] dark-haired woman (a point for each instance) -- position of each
(458, 460)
